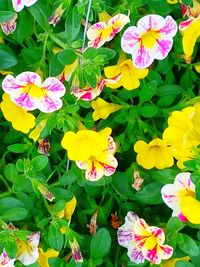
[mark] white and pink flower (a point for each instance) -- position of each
(27, 91)
(151, 39)
(18, 5)
(101, 32)
(5, 261)
(143, 241)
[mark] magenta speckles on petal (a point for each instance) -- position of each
(18, 5)
(5, 261)
(163, 48)
(144, 58)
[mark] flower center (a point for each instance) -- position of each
(34, 91)
(149, 38)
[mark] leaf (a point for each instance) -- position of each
(18, 148)
(9, 203)
(10, 171)
(189, 246)
(147, 91)
(73, 21)
(91, 79)
(107, 52)
(6, 15)
(168, 89)
(8, 58)
(67, 56)
(10, 246)
(37, 11)
(184, 264)
(148, 111)
(55, 237)
(165, 176)
(39, 162)
(150, 194)
(90, 53)
(15, 214)
(20, 165)
(100, 244)
(19, 183)
(174, 225)
(55, 67)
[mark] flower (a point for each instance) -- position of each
(35, 133)
(45, 192)
(68, 210)
(68, 71)
(143, 241)
(101, 32)
(173, 1)
(44, 256)
(76, 253)
(92, 151)
(5, 261)
(183, 133)
(55, 17)
(151, 39)
(180, 197)
(103, 109)
(9, 26)
(128, 74)
(19, 5)
(190, 28)
(21, 120)
(154, 154)
(28, 251)
(27, 91)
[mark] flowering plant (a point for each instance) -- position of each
(100, 133)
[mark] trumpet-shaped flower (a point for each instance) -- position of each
(143, 241)
(101, 32)
(35, 133)
(44, 256)
(76, 253)
(103, 109)
(92, 151)
(21, 120)
(28, 251)
(181, 198)
(173, 1)
(27, 91)
(9, 26)
(154, 154)
(128, 74)
(151, 39)
(5, 261)
(18, 5)
(68, 210)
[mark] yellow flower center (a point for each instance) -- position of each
(186, 193)
(149, 38)
(34, 91)
(23, 247)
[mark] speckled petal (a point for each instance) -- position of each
(183, 181)
(48, 104)
(94, 34)
(18, 5)
(162, 48)
(131, 40)
(9, 85)
(135, 255)
(117, 23)
(23, 100)
(5, 261)
(28, 77)
(29, 2)
(170, 196)
(54, 88)
(170, 28)
(152, 21)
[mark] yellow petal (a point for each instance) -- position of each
(44, 256)
(190, 208)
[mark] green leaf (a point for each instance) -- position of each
(9, 203)
(168, 89)
(174, 225)
(90, 53)
(22, 31)
(20, 165)
(8, 58)
(107, 52)
(165, 176)
(148, 111)
(67, 56)
(19, 183)
(183, 264)
(147, 91)
(58, 206)
(197, 190)
(55, 237)
(100, 244)
(6, 15)
(150, 194)
(73, 24)
(15, 214)
(189, 246)
(91, 79)
(39, 162)
(37, 11)
(10, 246)
(18, 148)
(55, 67)
(10, 172)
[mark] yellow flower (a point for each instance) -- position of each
(103, 109)
(155, 154)
(128, 73)
(35, 133)
(197, 68)
(44, 256)
(104, 16)
(21, 120)
(172, 262)
(173, 1)
(68, 210)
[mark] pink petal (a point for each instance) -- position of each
(34, 239)
(9, 85)
(183, 181)
(130, 40)
(29, 2)
(162, 48)
(94, 34)
(111, 145)
(110, 166)
(54, 87)
(184, 24)
(48, 104)
(151, 22)
(117, 23)
(135, 255)
(143, 57)
(28, 77)
(170, 28)
(23, 100)
(158, 233)
(170, 196)
(18, 5)
(5, 261)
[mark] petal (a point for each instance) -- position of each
(55, 89)
(143, 57)
(162, 48)
(5, 261)
(18, 5)
(9, 85)
(183, 181)
(29, 2)
(94, 34)
(130, 39)
(135, 255)
(156, 254)
(165, 252)
(94, 172)
(24, 123)
(24, 100)
(117, 23)
(170, 196)
(190, 208)
(110, 166)
(48, 104)
(112, 71)
(158, 233)
(170, 28)
(184, 24)
(148, 22)
(111, 145)
(28, 77)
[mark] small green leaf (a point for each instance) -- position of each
(20, 165)
(10, 246)
(67, 56)
(72, 24)
(148, 91)
(37, 11)
(189, 246)
(184, 264)
(10, 171)
(107, 52)
(174, 224)
(39, 162)
(55, 237)
(91, 79)
(90, 53)
(150, 194)
(148, 111)
(58, 206)
(100, 244)
(55, 67)
(8, 58)
(18, 148)
(6, 15)
(15, 214)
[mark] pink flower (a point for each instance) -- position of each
(5, 261)
(18, 5)
(102, 32)
(151, 39)
(27, 91)
(143, 241)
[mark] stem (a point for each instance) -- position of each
(67, 168)
(47, 205)
(58, 41)
(5, 182)
(86, 24)
(5, 194)
(45, 47)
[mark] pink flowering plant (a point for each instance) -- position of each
(100, 133)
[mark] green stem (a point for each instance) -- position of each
(5, 182)
(58, 41)
(45, 47)
(5, 194)
(47, 206)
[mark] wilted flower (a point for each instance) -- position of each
(27, 91)
(92, 152)
(151, 39)
(44, 146)
(45, 192)
(76, 253)
(5, 261)
(101, 32)
(93, 224)
(103, 109)
(128, 75)
(138, 181)
(181, 198)
(18, 5)
(154, 154)
(143, 241)
(55, 17)
(28, 251)
(21, 120)
(115, 222)
(9, 26)
(44, 256)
